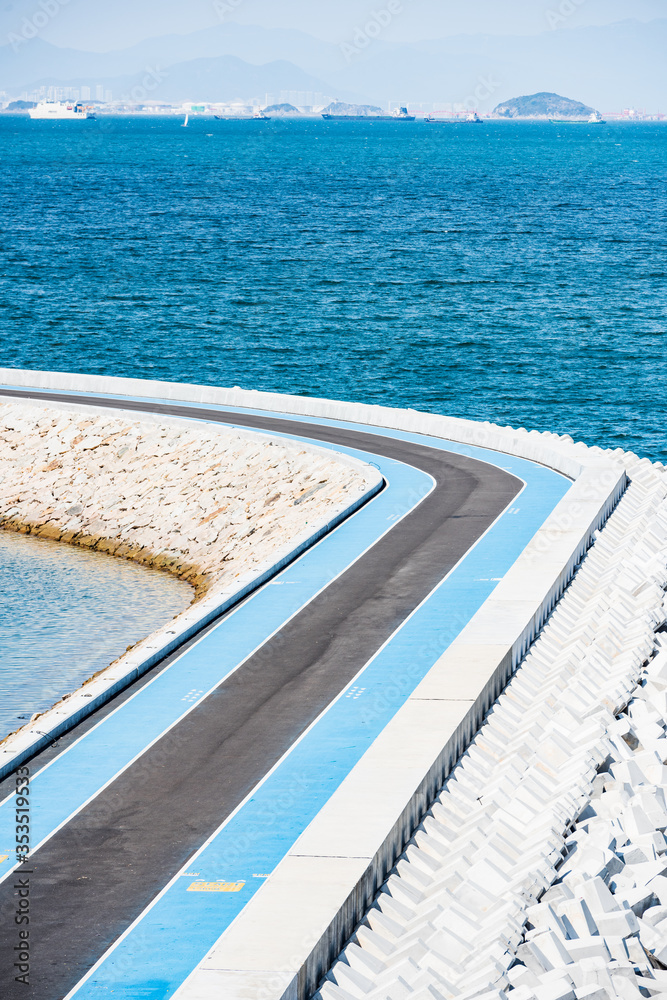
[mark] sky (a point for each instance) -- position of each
(103, 25)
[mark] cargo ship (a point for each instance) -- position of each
(257, 116)
(471, 119)
(401, 114)
(61, 111)
(595, 119)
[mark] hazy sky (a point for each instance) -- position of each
(102, 25)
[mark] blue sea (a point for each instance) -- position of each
(513, 271)
(67, 613)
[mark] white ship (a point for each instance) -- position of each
(595, 119)
(61, 111)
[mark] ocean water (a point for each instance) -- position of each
(67, 613)
(511, 271)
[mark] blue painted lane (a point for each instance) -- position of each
(82, 771)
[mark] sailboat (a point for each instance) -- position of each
(187, 119)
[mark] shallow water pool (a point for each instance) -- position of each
(67, 613)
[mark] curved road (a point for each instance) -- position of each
(101, 870)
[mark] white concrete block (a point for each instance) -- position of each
(374, 943)
(619, 924)
(328, 991)
(658, 887)
(637, 899)
(549, 950)
(350, 980)
(559, 989)
(450, 946)
(364, 961)
(645, 872)
(654, 914)
(591, 947)
(598, 897)
(636, 954)
(656, 977)
(633, 854)
(386, 932)
(519, 975)
(576, 914)
(625, 986)
(592, 992)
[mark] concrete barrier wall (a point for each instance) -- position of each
(296, 924)
(548, 449)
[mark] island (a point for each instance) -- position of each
(281, 109)
(339, 109)
(543, 105)
(15, 106)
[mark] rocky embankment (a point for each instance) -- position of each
(207, 504)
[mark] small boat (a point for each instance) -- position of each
(187, 119)
(594, 119)
(257, 116)
(430, 120)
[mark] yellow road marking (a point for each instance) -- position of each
(216, 886)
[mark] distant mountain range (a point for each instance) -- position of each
(225, 78)
(611, 66)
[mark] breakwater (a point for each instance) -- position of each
(572, 627)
